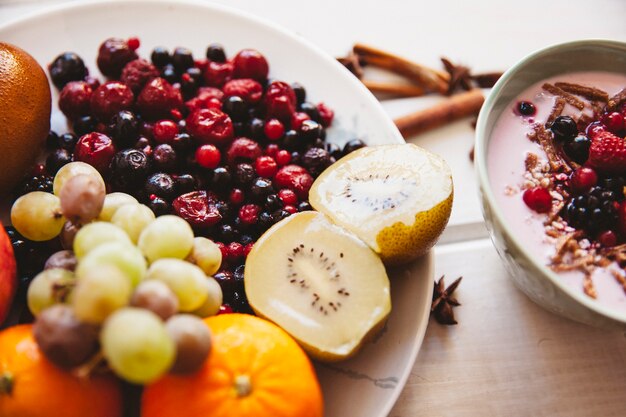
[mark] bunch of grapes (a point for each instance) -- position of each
(129, 287)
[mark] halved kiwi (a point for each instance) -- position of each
(320, 283)
(396, 198)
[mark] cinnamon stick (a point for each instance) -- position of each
(429, 78)
(402, 90)
(453, 108)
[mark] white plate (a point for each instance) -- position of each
(369, 384)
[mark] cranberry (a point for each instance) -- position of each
(164, 131)
(290, 209)
(111, 98)
(280, 101)
(137, 73)
(198, 208)
(210, 126)
(225, 309)
(235, 251)
(218, 73)
(249, 63)
(271, 150)
(75, 99)
(288, 197)
(538, 199)
(266, 166)
(95, 149)
(283, 157)
(249, 213)
(613, 121)
(113, 55)
(248, 89)
(297, 119)
(236, 196)
(326, 114)
(607, 238)
(203, 97)
(295, 178)
(525, 108)
(158, 98)
(243, 149)
(593, 129)
(583, 179)
(208, 156)
(274, 129)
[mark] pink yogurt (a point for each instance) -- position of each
(507, 152)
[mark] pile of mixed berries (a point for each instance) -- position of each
(212, 140)
(593, 190)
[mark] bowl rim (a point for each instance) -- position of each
(481, 142)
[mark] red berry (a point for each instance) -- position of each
(290, 209)
(158, 98)
(111, 98)
(248, 248)
(274, 129)
(176, 114)
(243, 150)
(607, 238)
(538, 199)
(217, 73)
(137, 73)
(198, 208)
(280, 101)
(208, 156)
(583, 179)
(235, 251)
(113, 55)
(210, 126)
(288, 197)
(246, 88)
(236, 196)
(326, 114)
(271, 150)
(266, 166)
(283, 157)
(225, 309)
(297, 119)
(75, 99)
(39, 169)
(133, 43)
(92, 81)
(593, 129)
(249, 63)
(95, 149)
(607, 153)
(295, 178)
(222, 248)
(249, 213)
(203, 99)
(613, 121)
(164, 131)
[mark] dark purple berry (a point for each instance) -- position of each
(129, 169)
(162, 185)
(316, 160)
(124, 129)
(526, 108)
(164, 157)
(159, 206)
(67, 67)
(215, 52)
(352, 146)
(57, 159)
(182, 58)
(160, 56)
(244, 174)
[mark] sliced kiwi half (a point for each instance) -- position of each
(396, 198)
(320, 283)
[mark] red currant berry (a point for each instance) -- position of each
(271, 149)
(225, 309)
(266, 166)
(235, 251)
(538, 199)
(290, 209)
(274, 129)
(288, 197)
(133, 43)
(583, 179)
(249, 213)
(283, 157)
(236, 196)
(607, 238)
(248, 248)
(164, 131)
(297, 119)
(326, 114)
(208, 156)
(613, 121)
(222, 248)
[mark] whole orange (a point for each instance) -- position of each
(25, 101)
(254, 369)
(30, 386)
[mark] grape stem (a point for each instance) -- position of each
(6, 383)
(88, 367)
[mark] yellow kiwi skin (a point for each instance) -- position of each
(26, 104)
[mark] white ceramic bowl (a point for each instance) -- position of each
(530, 274)
(369, 384)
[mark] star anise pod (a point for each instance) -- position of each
(461, 77)
(443, 302)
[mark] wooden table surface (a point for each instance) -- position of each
(507, 356)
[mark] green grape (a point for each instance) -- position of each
(82, 197)
(49, 287)
(133, 218)
(184, 279)
(206, 254)
(193, 342)
(95, 234)
(214, 300)
(71, 170)
(166, 237)
(136, 345)
(114, 201)
(99, 292)
(37, 216)
(124, 256)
